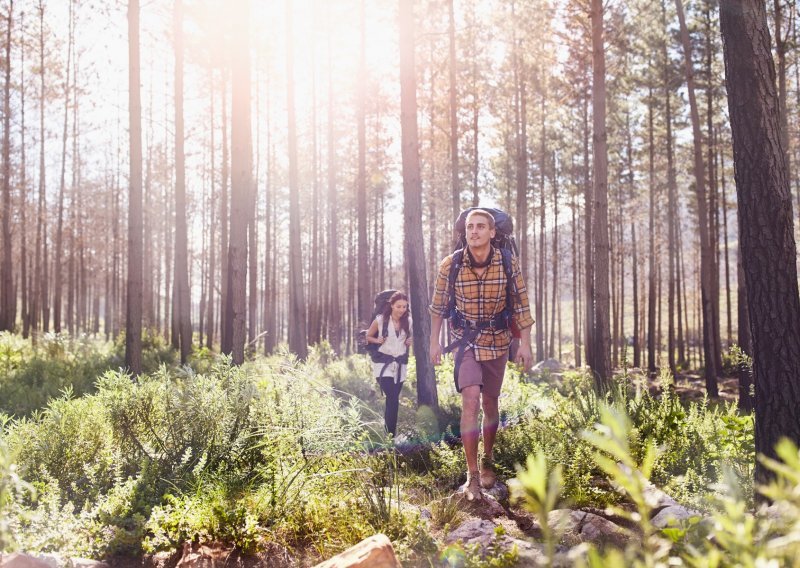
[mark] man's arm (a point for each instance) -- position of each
(435, 346)
(524, 355)
(438, 309)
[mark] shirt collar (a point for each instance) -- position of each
(493, 255)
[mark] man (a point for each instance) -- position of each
(479, 323)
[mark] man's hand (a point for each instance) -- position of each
(524, 356)
(436, 352)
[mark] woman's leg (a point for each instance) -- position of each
(392, 392)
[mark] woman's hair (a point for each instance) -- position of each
(387, 311)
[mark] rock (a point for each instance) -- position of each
(657, 499)
(21, 560)
(202, 556)
(486, 508)
(580, 526)
(499, 491)
(672, 515)
(373, 552)
(529, 553)
(550, 365)
(470, 532)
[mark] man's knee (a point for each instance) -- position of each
(490, 404)
(470, 399)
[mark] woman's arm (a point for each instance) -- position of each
(372, 333)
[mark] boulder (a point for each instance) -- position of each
(549, 365)
(373, 552)
(486, 508)
(579, 526)
(529, 553)
(21, 560)
(475, 531)
(203, 556)
(499, 491)
(672, 515)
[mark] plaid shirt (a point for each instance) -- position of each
(482, 298)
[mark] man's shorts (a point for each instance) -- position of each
(487, 374)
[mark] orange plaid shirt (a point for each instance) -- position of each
(482, 298)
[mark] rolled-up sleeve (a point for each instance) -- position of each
(522, 310)
(439, 301)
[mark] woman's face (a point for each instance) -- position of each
(399, 308)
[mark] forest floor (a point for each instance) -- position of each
(691, 387)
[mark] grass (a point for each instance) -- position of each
(289, 454)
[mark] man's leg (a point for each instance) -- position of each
(493, 372)
(470, 402)
(491, 420)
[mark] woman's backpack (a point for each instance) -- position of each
(381, 300)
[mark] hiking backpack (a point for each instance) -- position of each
(381, 300)
(505, 243)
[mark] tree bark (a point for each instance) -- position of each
(765, 224)
(133, 320)
(363, 287)
(706, 259)
(298, 341)
(181, 282)
(601, 352)
(412, 210)
(8, 314)
(651, 260)
(334, 312)
(241, 183)
(453, 106)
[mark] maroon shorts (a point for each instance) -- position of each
(487, 374)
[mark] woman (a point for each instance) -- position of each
(392, 331)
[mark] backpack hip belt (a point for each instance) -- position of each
(387, 360)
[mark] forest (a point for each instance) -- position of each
(200, 200)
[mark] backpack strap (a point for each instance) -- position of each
(512, 293)
(385, 325)
(455, 268)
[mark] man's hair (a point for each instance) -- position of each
(483, 212)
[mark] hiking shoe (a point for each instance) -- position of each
(473, 487)
(488, 476)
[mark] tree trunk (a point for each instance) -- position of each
(226, 314)
(26, 288)
(706, 260)
(637, 347)
(241, 184)
(588, 250)
(364, 301)
(780, 55)
(765, 224)
(298, 341)
(453, 106)
(651, 261)
(8, 314)
(555, 297)
(672, 192)
(729, 318)
(745, 374)
(412, 197)
(212, 228)
(576, 332)
(57, 256)
(334, 312)
(601, 352)
(182, 291)
(133, 320)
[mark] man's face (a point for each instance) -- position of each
(479, 232)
